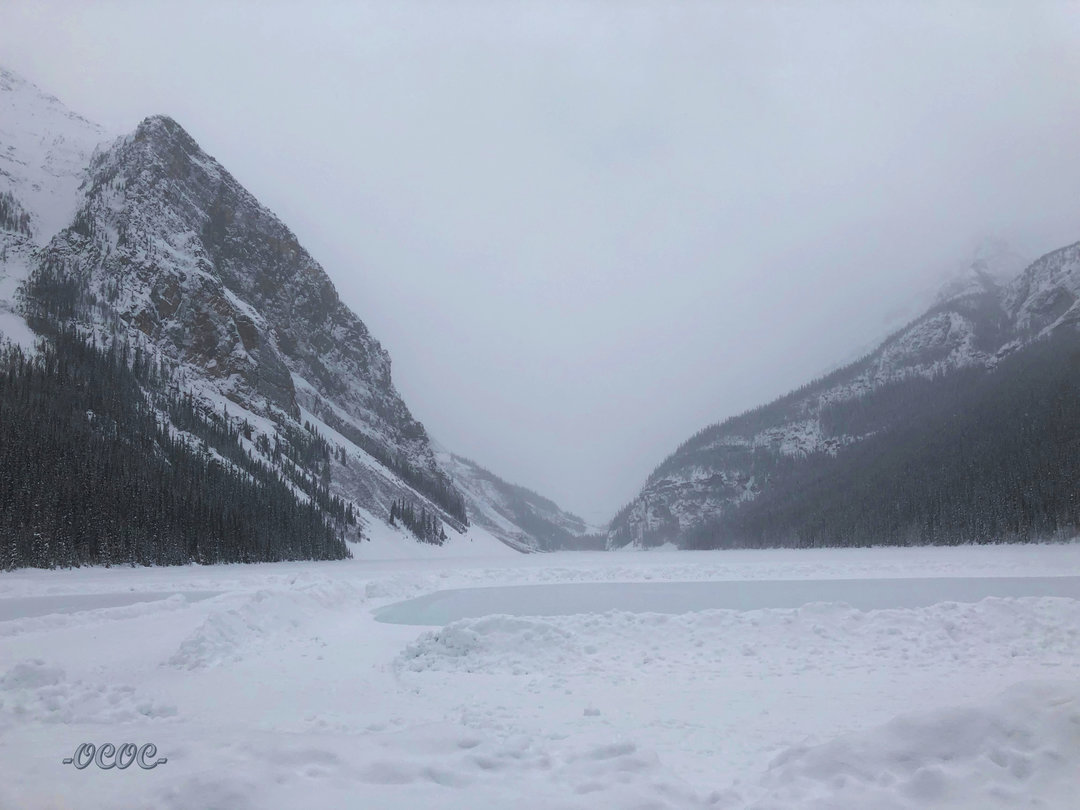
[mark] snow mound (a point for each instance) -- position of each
(1023, 749)
(35, 691)
(228, 634)
(816, 637)
(502, 642)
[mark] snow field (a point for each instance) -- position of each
(1018, 750)
(33, 690)
(283, 691)
(824, 637)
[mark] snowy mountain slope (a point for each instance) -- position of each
(150, 241)
(16, 256)
(1045, 296)
(976, 321)
(518, 516)
(993, 262)
(44, 152)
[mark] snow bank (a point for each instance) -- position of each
(33, 691)
(1021, 750)
(494, 643)
(228, 634)
(822, 637)
(290, 694)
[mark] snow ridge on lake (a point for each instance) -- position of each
(616, 645)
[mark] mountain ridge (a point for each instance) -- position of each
(973, 325)
(516, 514)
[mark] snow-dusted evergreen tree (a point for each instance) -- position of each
(424, 525)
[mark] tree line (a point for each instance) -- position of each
(91, 472)
(13, 217)
(424, 525)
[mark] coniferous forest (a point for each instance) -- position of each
(424, 525)
(91, 472)
(13, 217)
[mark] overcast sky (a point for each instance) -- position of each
(586, 230)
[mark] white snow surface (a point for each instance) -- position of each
(15, 258)
(44, 151)
(282, 691)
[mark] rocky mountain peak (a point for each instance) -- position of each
(169, 251)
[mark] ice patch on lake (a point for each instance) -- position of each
(566, 599)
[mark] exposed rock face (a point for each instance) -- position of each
(975, 323)
(168, 247)
(1044, 297)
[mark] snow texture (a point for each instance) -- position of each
(279, 689)
(44, 151)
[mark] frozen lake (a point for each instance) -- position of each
(567, 599)
(284, 691)
(30, 606)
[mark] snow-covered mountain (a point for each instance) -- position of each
(518, 516)
(993, 263)
(1044, 297)
(147, 240)
(169, 250)
(978, 319)
(44, 153)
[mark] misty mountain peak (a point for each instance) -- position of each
(996, 258)
(44, 151)
(992, 266)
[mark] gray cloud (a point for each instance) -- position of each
(584, 230)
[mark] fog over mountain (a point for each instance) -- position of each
(585, 231)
